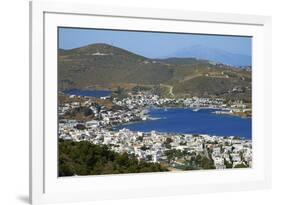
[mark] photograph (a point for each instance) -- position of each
(149, 101)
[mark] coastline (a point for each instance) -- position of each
(143, 115)
(146, 113)
(181, 133)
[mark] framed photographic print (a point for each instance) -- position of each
(130, 102)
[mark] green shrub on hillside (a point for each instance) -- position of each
(84, 158)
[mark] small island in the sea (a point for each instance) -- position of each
(124, 108)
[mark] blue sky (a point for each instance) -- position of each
(152, 45)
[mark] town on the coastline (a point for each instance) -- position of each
(96, 120)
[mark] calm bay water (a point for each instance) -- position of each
(88, 93)
(180, 120)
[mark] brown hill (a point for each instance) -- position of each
(101, 66)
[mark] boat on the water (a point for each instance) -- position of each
(196, 109)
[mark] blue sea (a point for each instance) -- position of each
(88, 93)
(181, 120)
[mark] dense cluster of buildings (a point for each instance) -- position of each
(222, 152)
(143, 100)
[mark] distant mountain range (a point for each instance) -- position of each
(105, 67)
(212, 54)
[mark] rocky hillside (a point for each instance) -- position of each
(101, 66)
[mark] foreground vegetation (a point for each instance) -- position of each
(84, 158)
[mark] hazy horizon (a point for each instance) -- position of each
(152, 44)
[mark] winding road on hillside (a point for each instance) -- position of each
(169, 87)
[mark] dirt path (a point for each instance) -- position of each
(189, 77)
(169, 87)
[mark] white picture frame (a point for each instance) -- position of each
(46, 187)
